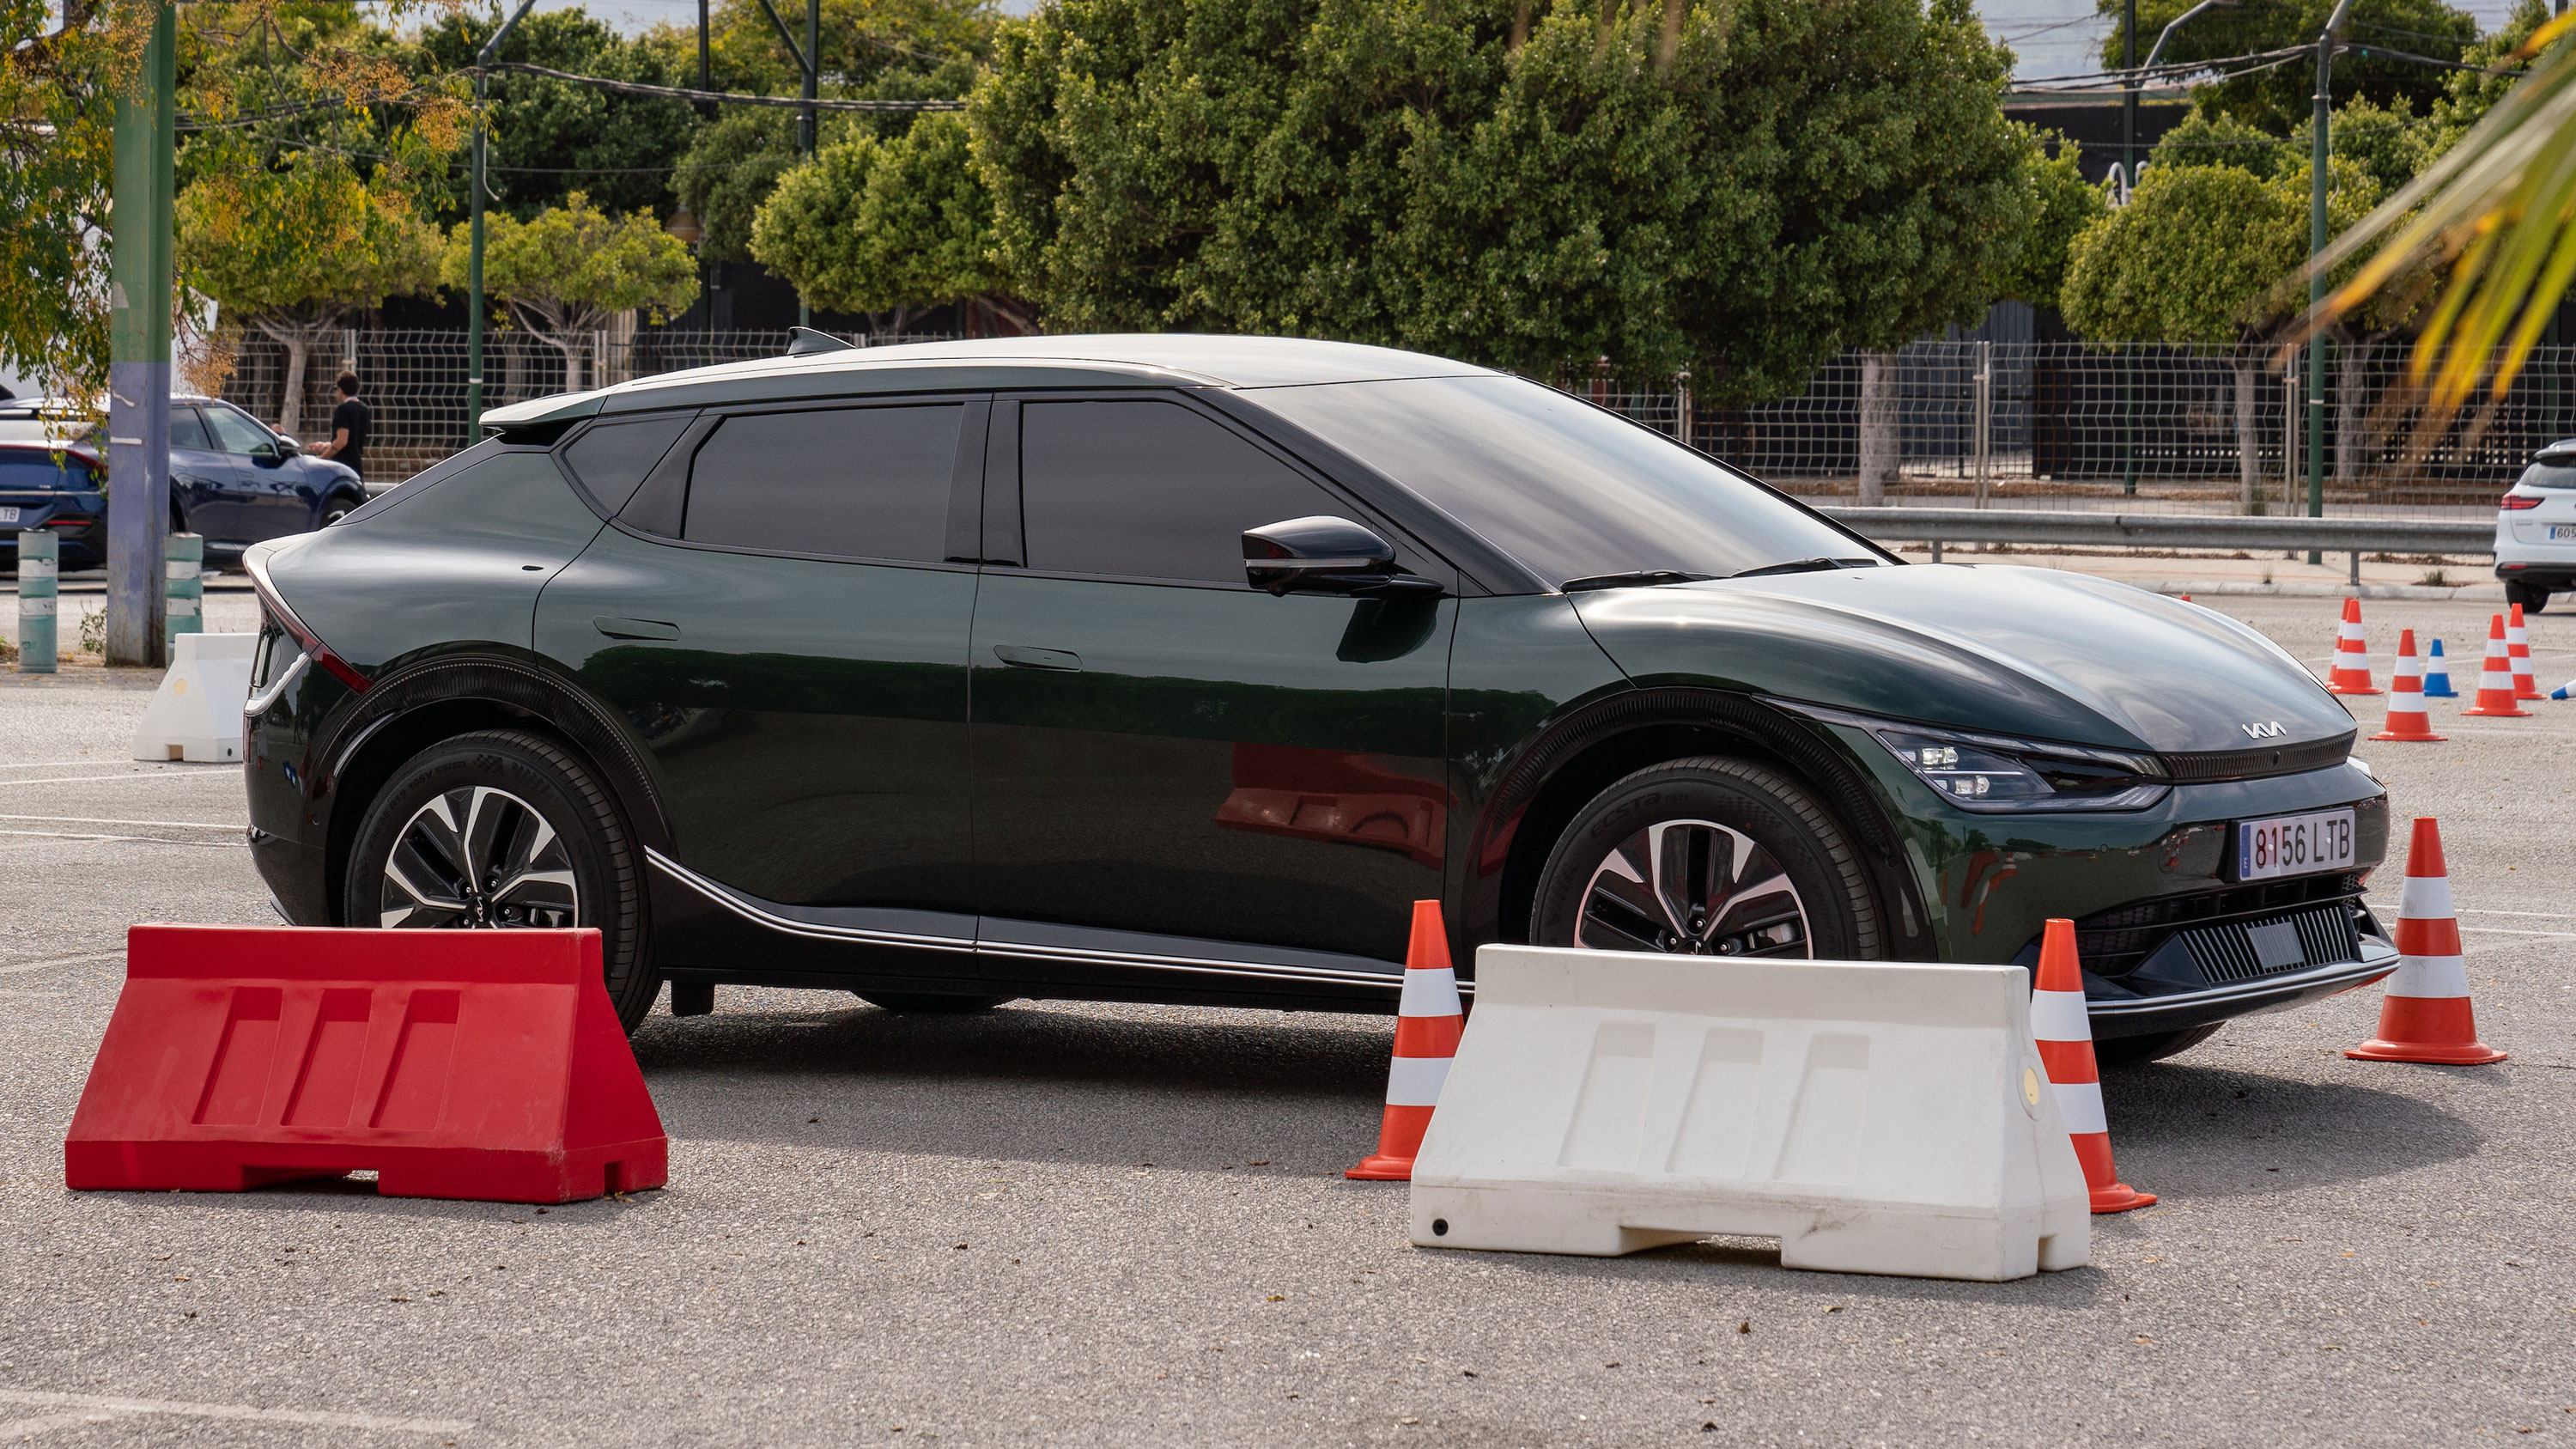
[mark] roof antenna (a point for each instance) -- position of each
(805, 342)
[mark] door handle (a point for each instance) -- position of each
(1020, 656)
(635, 628)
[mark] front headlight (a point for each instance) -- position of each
(1998, 773)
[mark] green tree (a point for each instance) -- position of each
(550, 137)
(888, 225)
(2061, 205)
(2276, 98)
(1739, 189)
(570, 271)
(293, 252)
(2195, 260)
(60, 72)
(730, 168)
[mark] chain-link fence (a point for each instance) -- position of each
(2018, 424)
(2037, 425)
(414, 379)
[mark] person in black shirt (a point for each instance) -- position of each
(349, 423)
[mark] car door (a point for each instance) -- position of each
(1161, 751)
(775, 615)
(204, 487)
(270, 505)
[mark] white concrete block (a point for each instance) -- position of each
(197, 712)
(1874, 1117)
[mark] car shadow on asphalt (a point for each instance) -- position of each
(1036, 1081)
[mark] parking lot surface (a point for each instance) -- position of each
(1066, 1222)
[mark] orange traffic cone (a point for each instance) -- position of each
(2425, 1015)
(2406, 717)
(1428, 1021)
(2352, 656)
(2495, 680)
(2065, 1035)
(2518, 648)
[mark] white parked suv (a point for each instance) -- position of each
(2535, 543)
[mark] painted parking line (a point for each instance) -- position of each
(73, 1409)
(102, 820)
(201, 772)
(22, 967)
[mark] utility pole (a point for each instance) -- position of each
(2128, 185)
(138, 374)
(474, 254)
(2320, 153)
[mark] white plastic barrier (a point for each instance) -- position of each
(1875, 1118)
(197, 712)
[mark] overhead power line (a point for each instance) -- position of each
(722, 98)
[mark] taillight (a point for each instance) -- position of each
(2515, 502)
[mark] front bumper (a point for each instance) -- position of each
(2133, 1014)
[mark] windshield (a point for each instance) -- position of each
(1573, 492)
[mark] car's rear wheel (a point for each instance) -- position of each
(2136, 1051)
(1707, 857)
(2532, 597)
(924, 1003)
(504, 830)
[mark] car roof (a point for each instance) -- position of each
(1134, 359)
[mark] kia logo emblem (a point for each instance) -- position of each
(2270, 730)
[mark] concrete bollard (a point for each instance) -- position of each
(184, 583)
(39, 582)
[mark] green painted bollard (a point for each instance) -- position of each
(185, 584)
(39, 580)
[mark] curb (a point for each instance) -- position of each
(2463, 593)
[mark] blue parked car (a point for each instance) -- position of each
(231, 479)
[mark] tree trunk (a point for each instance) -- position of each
(299, 340)
(2351, 447)
(1878, 430)
(2249, 442)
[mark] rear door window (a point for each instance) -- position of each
(187, 430)
(611, 459)
(844, 482)
(1146, 489)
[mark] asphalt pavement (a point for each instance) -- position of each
(1110, 1224)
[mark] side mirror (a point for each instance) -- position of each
(287, 447)
(1326, 555)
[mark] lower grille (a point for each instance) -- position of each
(2114, 942)
(2244, 950)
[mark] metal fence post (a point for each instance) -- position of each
(1682, 407)
(1983, 444)
(39, 569)
(2289, 434)
(184, 582)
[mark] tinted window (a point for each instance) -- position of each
(2551, 475)
(1148, 489)
(29, 468)
(1569, 490)
(186, 431)
(854, 482)
(236, 433)
(503, 501)
(612, 459)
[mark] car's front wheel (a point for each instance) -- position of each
(504, 830)
(339, 506)
(1708, 857)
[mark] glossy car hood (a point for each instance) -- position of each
(2022, 651)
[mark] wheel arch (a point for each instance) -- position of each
(1597, 744)
(414, 708)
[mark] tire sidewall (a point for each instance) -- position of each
(605, 882)
(1840, 918)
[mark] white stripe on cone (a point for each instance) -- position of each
(2425, 898)
(2433, 976)
(2059, 1016)
(1429, 993)
(1416, 1081)
(2080, 1103)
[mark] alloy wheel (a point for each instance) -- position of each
(1693, 887)
(477, 858)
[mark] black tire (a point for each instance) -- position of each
(1730, 814)
(537, 783)
(2532, 597)
(337, 507)
(926, 1003)
(2137, 1051)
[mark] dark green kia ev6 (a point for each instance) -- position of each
(1177, 668)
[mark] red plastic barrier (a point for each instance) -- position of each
(455, 1064)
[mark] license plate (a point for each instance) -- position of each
(2294, 845)
(8, 515)
(2562, 532)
